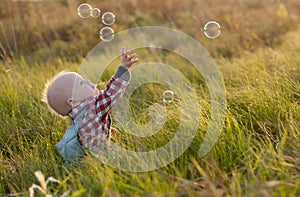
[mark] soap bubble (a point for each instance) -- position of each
(159, 119)
(84, 10)
(168, 96)
(108, 18)
(107, 34)
(212, 29)
(95, 12)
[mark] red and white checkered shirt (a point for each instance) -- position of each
(94, 128)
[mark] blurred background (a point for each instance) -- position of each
(44, 30)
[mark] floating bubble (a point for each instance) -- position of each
(108, 18)
(95, 12)
(212, 29)
(168, 96)
(107, 34)
(159, 119)
(84, 10)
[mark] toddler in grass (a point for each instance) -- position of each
(68, 94)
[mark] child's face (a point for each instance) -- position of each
(69, 90)
(83, 89)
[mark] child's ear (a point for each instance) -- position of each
(71, 103)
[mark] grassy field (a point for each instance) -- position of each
(258, 152)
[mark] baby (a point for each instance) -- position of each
(68, 94)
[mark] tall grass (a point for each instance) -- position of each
(256, 155)
(258, 151)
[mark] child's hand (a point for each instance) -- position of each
(127, 59)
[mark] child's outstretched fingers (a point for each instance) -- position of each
(127, 58)
(134, 60)
(123, 50)
(126, 53)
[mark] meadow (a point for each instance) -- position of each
(258, 152)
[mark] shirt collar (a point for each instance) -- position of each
(75, 111)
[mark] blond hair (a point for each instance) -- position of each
(53, 97)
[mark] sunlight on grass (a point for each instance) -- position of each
(257, 154)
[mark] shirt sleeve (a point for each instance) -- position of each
(113, 91)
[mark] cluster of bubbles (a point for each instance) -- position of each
(85, 10)
(212, 29)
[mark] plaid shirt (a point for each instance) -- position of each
(95, 125)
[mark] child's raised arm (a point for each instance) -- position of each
(116, 86)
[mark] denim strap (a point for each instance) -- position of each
(69, 147)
